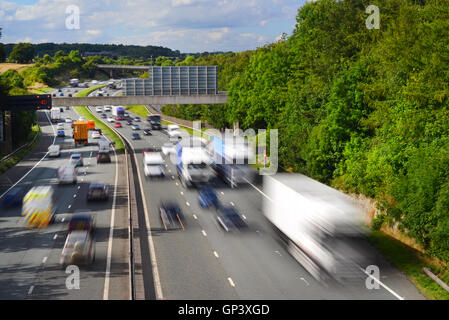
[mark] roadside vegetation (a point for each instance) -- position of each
(11, 162)
(84, 112)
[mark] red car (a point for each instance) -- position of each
(117, 125)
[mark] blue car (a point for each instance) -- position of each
(207, 197)
(229, 219)
(61, 133)
(136, 136)
(13, 198)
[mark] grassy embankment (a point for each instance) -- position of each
(84, 112)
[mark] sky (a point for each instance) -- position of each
(186, 25)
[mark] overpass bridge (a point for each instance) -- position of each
(221, 98)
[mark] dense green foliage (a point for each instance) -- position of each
(2, 53)
(22, 53)
(131, 51)
(364, 110)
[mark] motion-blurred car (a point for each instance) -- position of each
(96, 135)
(126, 114)
(135, 127)
(153, 164)
(98, 109)
(110, 119)
(168, 148)
(229, 219)
(79, 248)
(82, 220)
(103, 157)
(129, 122)
(61, 94)
(171, 216)
(103, 115)
(207, 197)
(135, 136)
(107, 108)
(68, 120)
(76, 160)
(97, 191)
(118, 125)
(147, 132)
(118, 118)
(54, 150)
(59, 90)
(13, 198)
(61, 109)
(70, 94)
(67, 174)
(137, 119)
(61, 133)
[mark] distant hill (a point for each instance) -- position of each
(118, 50)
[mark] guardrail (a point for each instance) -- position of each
(20, 148)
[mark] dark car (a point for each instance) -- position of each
(82, 221)
(54, 94)
(129, 122)
(61, 109)
(147, 132)
(137, 119)
(229, 219)
(59, 90)
(103, 157)
(61, 133)
(171, 216)
(97, 191)
(136, 136)
(207, 197)
(13, 198)
(103, 115)
(70, 94)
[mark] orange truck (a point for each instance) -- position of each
(80, 132)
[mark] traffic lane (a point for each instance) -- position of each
(23, 250)
(249, 204)
(51, 283)
(15, 173)
(199, 276)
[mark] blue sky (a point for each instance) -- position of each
(185, 25)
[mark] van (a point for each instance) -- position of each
(67, 174)
(54, 150)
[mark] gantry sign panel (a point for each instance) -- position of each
(27, 102)
(180, 80)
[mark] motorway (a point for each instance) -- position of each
(200, 262)
(29, 259)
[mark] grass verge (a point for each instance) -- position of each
(41, 90)
(84, 112)
(11, 162)
(411, 262)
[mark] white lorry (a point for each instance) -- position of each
(153, 164)
(320, 226)
(55, 114)
(193, 164)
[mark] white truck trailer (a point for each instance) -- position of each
(321, 226)
(55, 114)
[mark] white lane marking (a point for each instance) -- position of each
(382, 284)
(45, 155)
(182, 193)
(216, 254)
(304, 281)
(188, 204)
(278, 253)
(231, 282)
(69, 206)
(195, 217)
(31, 290)
(62, 220)
(166, 165)
(244, 217)
(173, 177)
(44, 260)
(74, 195)
(169, 170)
(260, 191)
(222, 193)
(54, 238)
(232, 204)
(79, 187)
(177, 184)
(204, 233)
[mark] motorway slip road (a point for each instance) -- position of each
(29, 259)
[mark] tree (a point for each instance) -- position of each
(2, 53)
(22, 53)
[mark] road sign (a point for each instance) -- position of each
(177, 80)
(28, 102)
